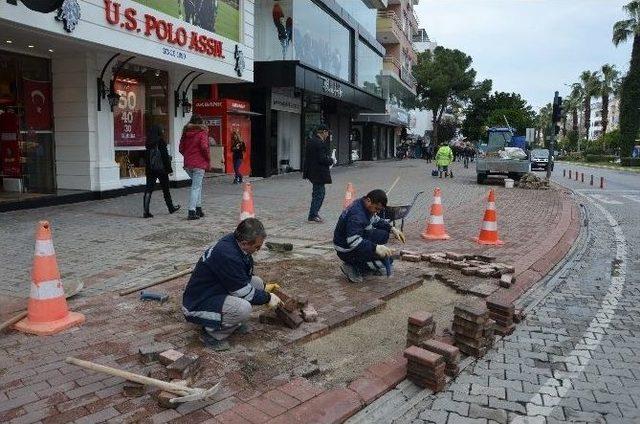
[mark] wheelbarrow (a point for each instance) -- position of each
(393, 213)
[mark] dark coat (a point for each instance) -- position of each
(317, 161)
(154, 138)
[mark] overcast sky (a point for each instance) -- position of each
(532, 47)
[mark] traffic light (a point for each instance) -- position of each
(557, 110)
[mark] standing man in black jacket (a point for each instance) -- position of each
(317, 163)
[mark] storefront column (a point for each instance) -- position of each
(83, 137)
(175, 126)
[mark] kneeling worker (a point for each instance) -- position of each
(222, 287)
(360, 237)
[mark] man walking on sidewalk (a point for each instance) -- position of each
(222, 288)
(317, 163)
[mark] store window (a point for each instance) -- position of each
(321, 41)
(26, 125)
(369, 69)
(143, 103)
(365, 16)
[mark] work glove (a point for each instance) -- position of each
(383, 251)
(270, 287)
(398, 234)
(274, 301)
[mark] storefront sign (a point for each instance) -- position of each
(162, 30)
(331, 87)
(284, 99)
(128, 116)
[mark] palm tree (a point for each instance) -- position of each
(544, 121)
(610, 84)
(591, 87)
(630, 89)
(575, 101)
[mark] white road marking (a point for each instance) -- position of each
(603, 199)
(632, 197)
(586, 343)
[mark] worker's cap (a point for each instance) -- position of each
(322, 127)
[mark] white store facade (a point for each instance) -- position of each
(60, 69)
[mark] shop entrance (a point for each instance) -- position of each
(27, 166)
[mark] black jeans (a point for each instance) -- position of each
(317, 197)
(237, 163)
(164, 183)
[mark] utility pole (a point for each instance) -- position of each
(556, 117)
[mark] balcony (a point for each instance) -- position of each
(389, 28)
(407, 77)
(392, 66)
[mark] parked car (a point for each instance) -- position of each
(540, 159)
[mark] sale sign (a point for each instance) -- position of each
(129, 113)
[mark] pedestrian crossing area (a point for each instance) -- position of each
(614, 198)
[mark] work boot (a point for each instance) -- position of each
(352, 273)
(242, 329)
(211, 342)
(192, 215)
(199, 212)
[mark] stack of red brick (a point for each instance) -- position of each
(502, 312)
(425, 369)
(450, 353)
(474, 331)
(420, 327)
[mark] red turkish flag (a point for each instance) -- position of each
(37, 104)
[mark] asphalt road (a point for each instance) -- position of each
(576, 357)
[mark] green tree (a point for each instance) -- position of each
(574, 104)
(476, 114)
(610, 85)
(630, 88)
(484, 112)
(590, 87)
(448, 130)
(443, 77)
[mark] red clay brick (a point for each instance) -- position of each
(449, 352)
(369, 387)
(333, 406)
(282, 398)
(423, 356)
(250, 413)
(66, 417)
(301, 389)
(267, 406)
(230, 417)
(391, 371)
(192, 418)
(420, 318)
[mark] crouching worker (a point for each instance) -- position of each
(360, 237)
(222, 288)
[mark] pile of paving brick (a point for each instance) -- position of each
(180, 368)
(291, 312)
(532, 182)
(473, 329)
(503, 313)
(425, 369)
(420, 327)
(471, 265)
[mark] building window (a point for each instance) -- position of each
(369, 68)
(362, 14)
(321, 41)
(143, 104)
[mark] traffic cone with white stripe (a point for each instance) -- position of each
(435, 224)
(349, 195)
(47, 311)
(489, 230)
(246, 207)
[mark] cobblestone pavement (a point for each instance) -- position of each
(576, 356)
(108, 246)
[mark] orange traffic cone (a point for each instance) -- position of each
(47, 311)
(246, 208)
(435, 224)
(489, 230)
(349, 195)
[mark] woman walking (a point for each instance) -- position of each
(238, 148)
(194, 146)
(157, 167)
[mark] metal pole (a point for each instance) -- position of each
(552, 141)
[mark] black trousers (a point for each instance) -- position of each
(164, 183)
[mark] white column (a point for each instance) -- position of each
(176, 124)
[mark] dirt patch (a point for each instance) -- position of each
(348, 351)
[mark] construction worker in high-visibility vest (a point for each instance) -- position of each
(444, 157)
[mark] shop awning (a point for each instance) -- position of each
(296, 74)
